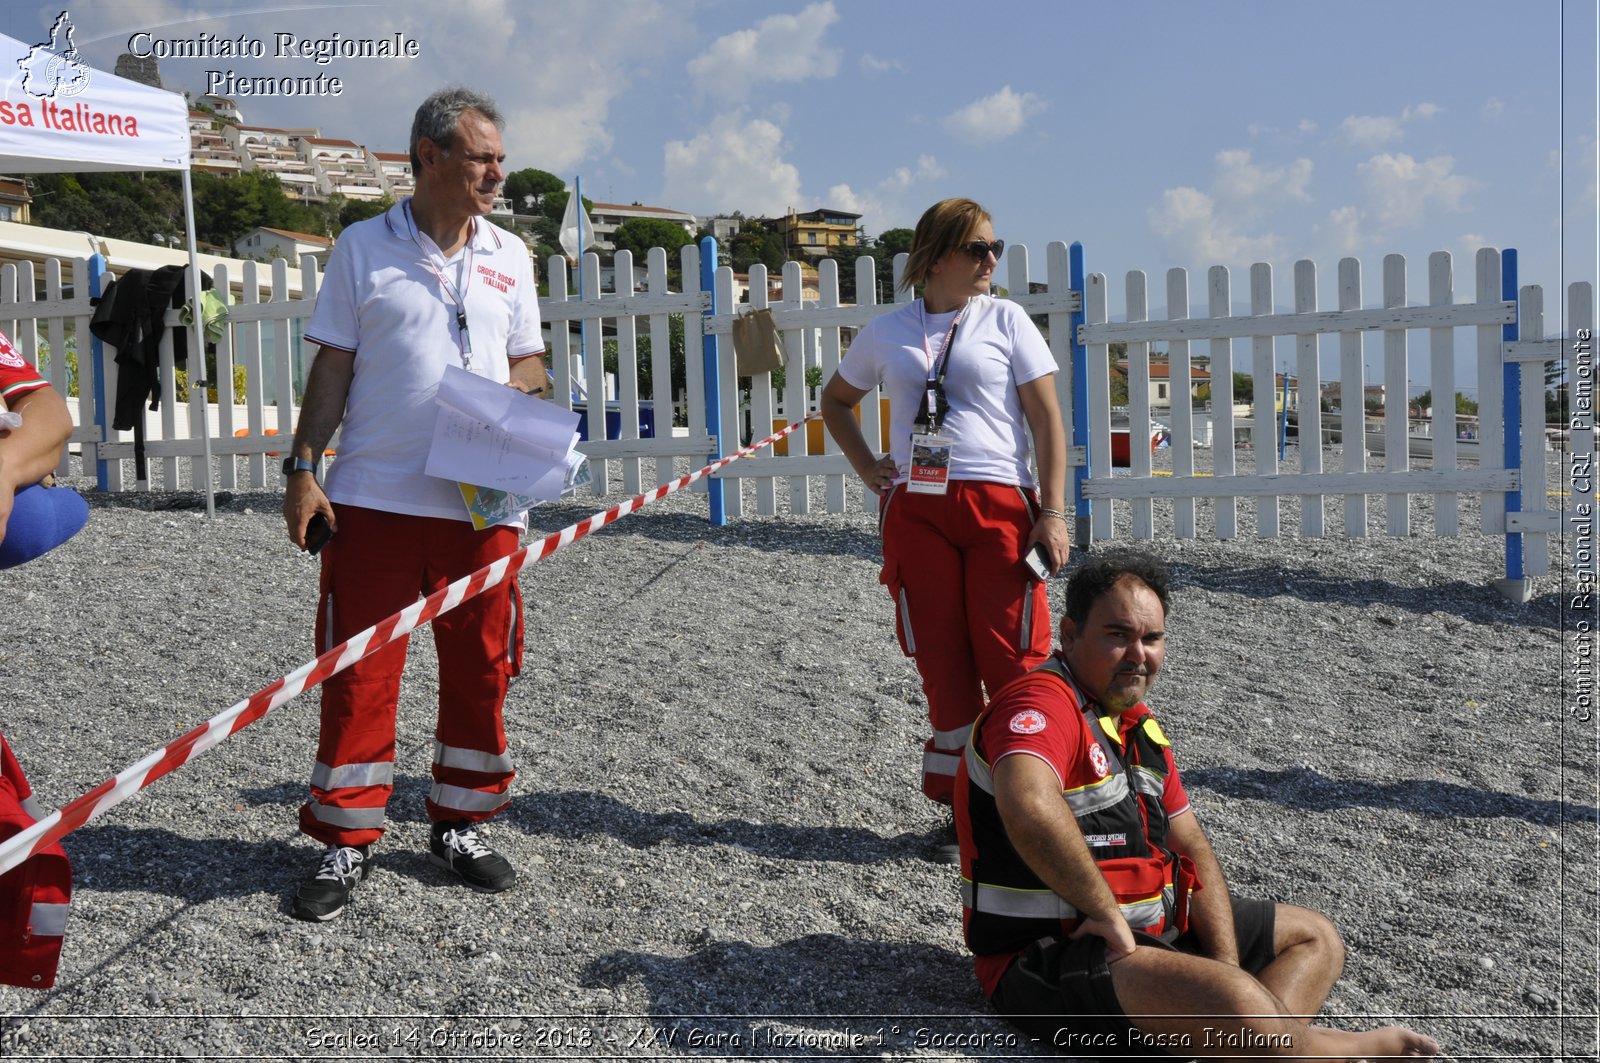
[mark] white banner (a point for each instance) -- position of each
(58, 115)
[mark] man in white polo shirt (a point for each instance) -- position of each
(429, 284)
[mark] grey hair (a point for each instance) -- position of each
(439, 118)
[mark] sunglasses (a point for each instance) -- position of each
(978, 249)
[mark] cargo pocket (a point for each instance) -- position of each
(1033, 628)
(514, 631)
(890, 578)
(324, 624)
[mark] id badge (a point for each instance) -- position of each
(930, 464)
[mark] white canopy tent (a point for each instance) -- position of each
(59, 115)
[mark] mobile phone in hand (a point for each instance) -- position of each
(1038, 561)
(318, 532)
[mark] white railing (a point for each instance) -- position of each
(266, 328)
(1266, 483)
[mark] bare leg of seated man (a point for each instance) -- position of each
(1172, 998)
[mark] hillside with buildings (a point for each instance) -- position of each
(264, 192)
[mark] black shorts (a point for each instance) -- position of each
(1060, 993)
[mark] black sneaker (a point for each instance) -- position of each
(324, 896)
(456, 847)
(946, 848)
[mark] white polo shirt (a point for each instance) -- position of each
(382, 297)
(997, 349)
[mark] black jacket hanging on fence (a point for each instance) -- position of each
(130, 316)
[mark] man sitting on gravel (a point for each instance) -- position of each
(1097, 910)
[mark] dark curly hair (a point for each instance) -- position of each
(1101, 572)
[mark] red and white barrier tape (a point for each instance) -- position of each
(214, 732)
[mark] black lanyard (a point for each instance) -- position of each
(934, 403)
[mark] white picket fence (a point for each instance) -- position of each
(265, 335)
(1268, 484)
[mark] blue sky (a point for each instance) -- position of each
(1158, 133)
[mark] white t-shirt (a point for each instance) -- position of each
(996, 349)
(382, 298)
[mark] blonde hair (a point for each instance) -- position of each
(943, 226)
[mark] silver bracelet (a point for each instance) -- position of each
(1056, 513)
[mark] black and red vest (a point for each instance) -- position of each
(1007, 907)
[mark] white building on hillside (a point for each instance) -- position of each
(394, 169)
(341, 168)
(608, 217)
(264, 244)
(273, 151)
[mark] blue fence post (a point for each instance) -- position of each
(97, 357)
(1512, 410)
(710, 353)
(1080, 400)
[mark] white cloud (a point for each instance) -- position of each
(1470, 243)
(1345, 225)
(874, 65)
(778, 48)
(1189, 220)
(1242, 181)
(884, 206)
(1369, 132)
(559, 109)
(1226, 225)
(1402, 190)
(993, 117)
(734, 164)
(559, 115)
(1307, 126)
(1493, 108)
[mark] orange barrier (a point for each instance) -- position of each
(241, 432)
(815, 429)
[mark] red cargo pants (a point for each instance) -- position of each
(966, 609)
(376, 565)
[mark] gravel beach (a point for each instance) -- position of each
(717, 817)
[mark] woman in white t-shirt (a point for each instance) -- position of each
(968, 377)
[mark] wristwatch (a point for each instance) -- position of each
(293, 464)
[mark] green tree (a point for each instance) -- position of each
(846, 255)
(639, 235)
(1117, 354)
(228, 207)
(546, 233)
(895, 241)
(361, 209)
(555, 204)
(675, 346)
(520, 184)
(752, 245)
(890, 242)
(1244, 388)
(1464, 405)
(124, 206)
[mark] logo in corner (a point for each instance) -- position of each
(1027, 722)
(9, 356)
(54, 67)
(1097, 757)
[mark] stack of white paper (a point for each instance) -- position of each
(495, 437)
